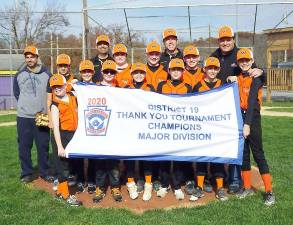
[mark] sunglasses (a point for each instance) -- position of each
(111, 72)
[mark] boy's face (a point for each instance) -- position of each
(120, 58)
(245, 64)
(87, 75)
(170, 43)
(226, 44)
(138, 76)
(153, 58)
(63, 69)
(109, 75)
(176, 73)
(59, 90)
(212, 71)
(191, 60)
(102, 47)
(31, 60)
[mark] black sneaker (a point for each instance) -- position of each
(221, 195)
(234, 189)
(207, 186)
(48, 178)
(26, 179)
(140, 186)
(72, 201)
(270, 199)
(91, 188)
(189, 187)
(243, 193)
(156, 185)
(198, 192)
(116, 194)
(80, 187)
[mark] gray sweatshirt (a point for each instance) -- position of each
(30, 91)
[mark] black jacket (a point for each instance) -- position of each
(166, 58)
(98, 67)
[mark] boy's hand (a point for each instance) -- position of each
(61, 152)
(232, 79)
(255, 72)
(50, 125)
(246, 130)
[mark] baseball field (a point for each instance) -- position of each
(23, 204)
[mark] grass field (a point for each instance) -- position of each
(21, 205)
(7, 118)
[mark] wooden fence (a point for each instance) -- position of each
(279, 80)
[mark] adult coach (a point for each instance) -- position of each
(227, 55)
(102, 46)
(29, 88)
(172, 51)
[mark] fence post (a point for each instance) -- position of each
(268, 98)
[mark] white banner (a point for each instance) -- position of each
(134, 124)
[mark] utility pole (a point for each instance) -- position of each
(85, 40)
(52, 60)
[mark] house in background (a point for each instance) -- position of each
(8, 68)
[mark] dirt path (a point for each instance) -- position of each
(5, 124)
(266, 112)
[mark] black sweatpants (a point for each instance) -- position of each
(27, 133)
(254, 143)
(217, 169)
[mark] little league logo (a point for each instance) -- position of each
(96, 120)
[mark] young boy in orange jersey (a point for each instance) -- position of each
(174, 85)
(138, 73)
(192, 73)
(210, 81)
(64, 119)
(155, 72)
(250, 90)
(108, 167)
(123, 76)
(63, 63)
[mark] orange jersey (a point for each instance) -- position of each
(174, 87)
(204, 85)
(124, 77)
(244, 84)
(69, 86)
(67, 113)
(145, 86)
(193, 79)
(154, 78)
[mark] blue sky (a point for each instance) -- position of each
(202, 17)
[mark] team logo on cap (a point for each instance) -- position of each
(96, 120)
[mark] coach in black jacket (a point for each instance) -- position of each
(226, 53)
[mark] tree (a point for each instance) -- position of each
(29, 27)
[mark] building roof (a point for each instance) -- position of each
(278, 30)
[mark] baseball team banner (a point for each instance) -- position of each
(119, 123)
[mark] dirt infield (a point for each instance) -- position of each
(139, 206)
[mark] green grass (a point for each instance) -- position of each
(281, 109)
(7, 118)
(21, 205)
(278, 104)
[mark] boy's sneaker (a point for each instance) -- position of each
(71, 181)
(91, 188)
(157, 185)
(132, 190)
(140, 185)
(243, 193)
(189, 187)
(233, 189)
(179, 194)
(100, 194)
(162, 192)
(207, 186)
(198, 192)
(27, 179)
(116, 194)
(270, 199)
(72, 201)
(147, 194)
(221, 195)
(55, 184)
(80, 187)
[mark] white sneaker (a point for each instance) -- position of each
(147, 194)
(179, 194)
(162, 192)
(132, 190)
(193, 198)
